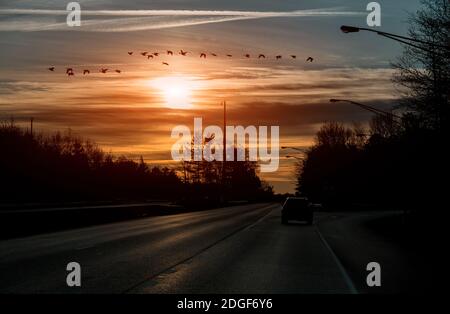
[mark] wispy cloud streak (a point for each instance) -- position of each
(134, 20)
(314, 12)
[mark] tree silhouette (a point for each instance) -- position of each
(63, 168)
(424, 72)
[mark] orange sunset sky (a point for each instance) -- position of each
(133, 113)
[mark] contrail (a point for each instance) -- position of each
(314, 12)
(135, 20)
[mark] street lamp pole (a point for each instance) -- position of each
(379, 112)
(295, 157)
(402, 39)
(302, 150)
(224, 140)
(294, 148)
(224, 149)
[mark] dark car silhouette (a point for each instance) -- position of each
(297, 208)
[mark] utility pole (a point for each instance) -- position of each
(224, 148)
(224, 129)
(31, 126)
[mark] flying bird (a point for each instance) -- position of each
(103, 70)
(69, 70)
(170, 53)
(229, 56)
(247, 55)
(203, 55)
(278, 57)
(130, 52)
(51, 69)
(261, 56)
(118, 71)
(144, 53)
(86, 72)
(70, 74)
(165, 63)
(213, 54)
(149, 56)
(156, 54)
(183, 53)
(310, 59)
(293, 56)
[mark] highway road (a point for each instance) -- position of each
(241, 249)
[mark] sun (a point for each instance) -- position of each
(176, 91)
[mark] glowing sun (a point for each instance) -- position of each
(175, 90)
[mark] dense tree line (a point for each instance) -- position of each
(64, 167)
(397, 170)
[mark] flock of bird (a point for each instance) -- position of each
(71, 72)
(202, 55)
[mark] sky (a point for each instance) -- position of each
(133, 113)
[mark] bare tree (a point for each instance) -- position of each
(423, 71)
(334, 134)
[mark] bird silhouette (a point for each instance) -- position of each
(103, 70)
(293, 56)
(165, 63)
(183, 53)
(118, 71)
(70, 72)
(229, 56)
(156, 54)
(169, 52)
(203, 55)
(86, 72)
(261, 56)
(278, 57)
(149, 56)
(247, 55)
(310, 59)
(130, 52)
(144, 53)
(213, 54)
(51, 69)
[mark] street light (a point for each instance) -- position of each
(302, 150)
(402, 39)
(294, 148)
(349, 29)
(295, 157)
(371, 109)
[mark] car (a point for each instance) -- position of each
(297, 208)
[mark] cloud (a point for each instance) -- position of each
(13, 86)
(138, 20)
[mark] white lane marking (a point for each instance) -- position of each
(347, 279)
(173, 267)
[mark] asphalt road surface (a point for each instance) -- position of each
(242, 249)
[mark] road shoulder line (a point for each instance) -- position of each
(347, 279)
